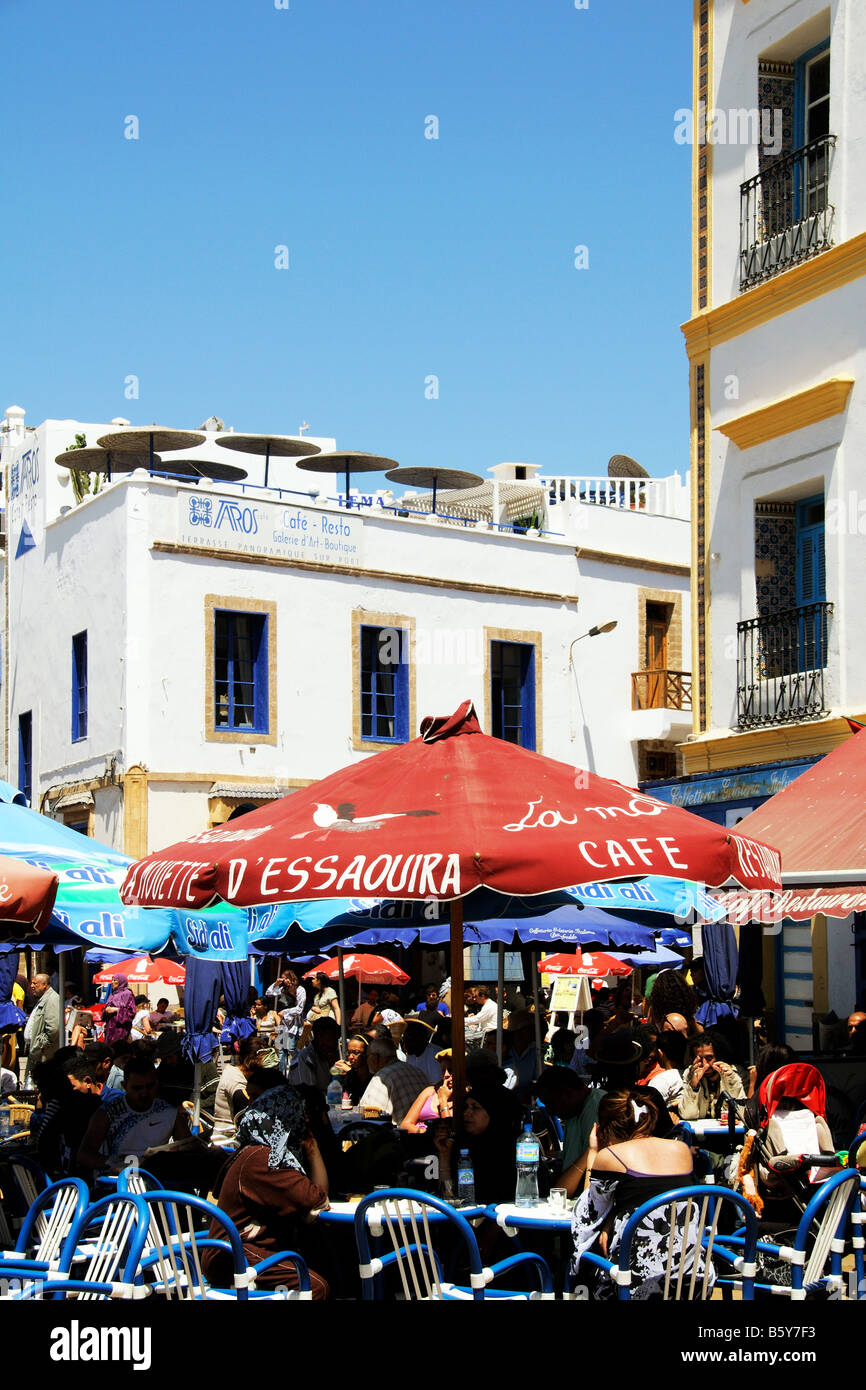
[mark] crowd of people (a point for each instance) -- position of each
(609, 1094)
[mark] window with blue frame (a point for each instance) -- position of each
(79, 686)
(25, 754)
(241, 672)
(812, 94)
(811, 580)
(811, 124)
(512, 692)
(384, 684)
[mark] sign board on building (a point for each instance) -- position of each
(247, 524)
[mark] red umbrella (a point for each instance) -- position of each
(588, 963)
(438, 817)
(141, 970)
(373, 970)
(26, 894)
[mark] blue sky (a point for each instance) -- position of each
(408, 257)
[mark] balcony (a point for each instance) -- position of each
(780, 666)
(785, 213)
(661, 690)
(661, 703)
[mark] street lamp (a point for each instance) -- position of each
(593, 632)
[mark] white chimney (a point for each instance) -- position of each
(14, 428)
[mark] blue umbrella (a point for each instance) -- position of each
(564, 926)
(661, 957)
(10, 1014)
(235, 984)
(720, 968)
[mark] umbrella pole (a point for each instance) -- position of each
(267, 461)
(341, 993)
(61, 990)
(500, 993)
(458, 1031)
(195, 1127)
(537, 1000)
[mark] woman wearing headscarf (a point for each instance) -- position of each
(491, 1123)
(119, 1011)
(276, 1181)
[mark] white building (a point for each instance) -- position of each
(175, 649)
(776, 344)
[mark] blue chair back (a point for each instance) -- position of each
(50, 1219)
(693, 1239)
(179, 1233)
(832, 1208)
(400, 1217)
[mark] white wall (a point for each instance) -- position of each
(807, 346)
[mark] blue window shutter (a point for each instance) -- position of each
(528, 690)
(79, 686)
(260, 660)
(401, 693)
(25, 755)
(811, 569)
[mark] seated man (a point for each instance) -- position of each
(521, 1055)
(161, 1017)
(432, 1003)
(133, 1124)
(395, 1084)
(564, 1094)
(312, 1065)
(483, 1020)
(419, 1047)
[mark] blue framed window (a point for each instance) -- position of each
(25, 755)
(811, 642)
(241, 671)
(812, 94)
(384, 684)
(812, 122)
(512, 692)
(79, 686)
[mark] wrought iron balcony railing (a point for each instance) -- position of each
(780, 666)
(785, 212)
(661, 690)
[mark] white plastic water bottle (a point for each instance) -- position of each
(528, 1156)
(465, 1179)
(334, 1095)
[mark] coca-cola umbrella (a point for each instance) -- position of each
(141, 970)
(593, 965)
(373, 970)
(438, 817)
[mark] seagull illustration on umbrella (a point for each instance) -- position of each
(344, 818)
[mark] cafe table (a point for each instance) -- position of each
(543, 1216)
(342, 1213)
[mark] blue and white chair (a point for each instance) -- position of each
(814, 1258)
(178, 1235)
(402, 1223)
(98, 1260)
(48, 1221)
(695, 1259)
